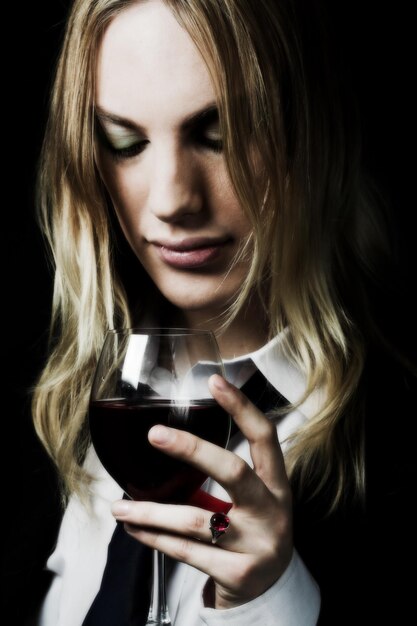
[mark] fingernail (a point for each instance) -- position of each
(160, 434)
(121, 507)
(219, 382)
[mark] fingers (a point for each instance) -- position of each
(239, 577)
(179, 519)
(233, 473)
(260, 432)
(214, 561)
(224, 466)
(241, 535)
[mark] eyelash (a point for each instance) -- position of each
(215, 145)
(134, 150)
(127, 153)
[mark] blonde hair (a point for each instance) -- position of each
(313, 222)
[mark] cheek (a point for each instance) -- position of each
(224, 203)
(126, 193)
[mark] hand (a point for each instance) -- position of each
(257, 547)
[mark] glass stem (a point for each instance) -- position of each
(158, 610)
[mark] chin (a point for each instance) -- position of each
(199, 297)
(193, 303)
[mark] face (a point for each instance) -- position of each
(160, 155)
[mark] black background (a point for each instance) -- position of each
(377, 44)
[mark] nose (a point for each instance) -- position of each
(175, 190)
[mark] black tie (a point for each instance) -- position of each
(124, 595)
(263, 395)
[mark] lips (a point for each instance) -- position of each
(190, 253)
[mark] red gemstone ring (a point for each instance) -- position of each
(219, 523)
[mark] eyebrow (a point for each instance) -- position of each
(205, 115)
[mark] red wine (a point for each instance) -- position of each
(119, 430)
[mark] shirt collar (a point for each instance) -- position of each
(273, 363)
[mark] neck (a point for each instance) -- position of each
(245, 334)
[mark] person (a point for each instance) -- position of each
(200, 170)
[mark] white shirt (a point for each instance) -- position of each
(80, 555)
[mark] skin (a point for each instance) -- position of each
(174, 185)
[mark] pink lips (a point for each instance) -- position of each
(190, 253)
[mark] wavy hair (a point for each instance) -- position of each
(316, 233)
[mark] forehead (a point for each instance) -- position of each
(148, 66)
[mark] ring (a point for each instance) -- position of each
(219, 523)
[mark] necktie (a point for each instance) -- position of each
(263, 395)
(124, 595)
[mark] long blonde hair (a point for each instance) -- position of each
(312, 214)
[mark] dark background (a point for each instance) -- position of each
(377, 46)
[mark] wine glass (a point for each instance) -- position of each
(146, 377)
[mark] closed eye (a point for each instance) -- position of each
(211, 139)
(122, 143)
(125, 140)
(129, 152)
(205, 132)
